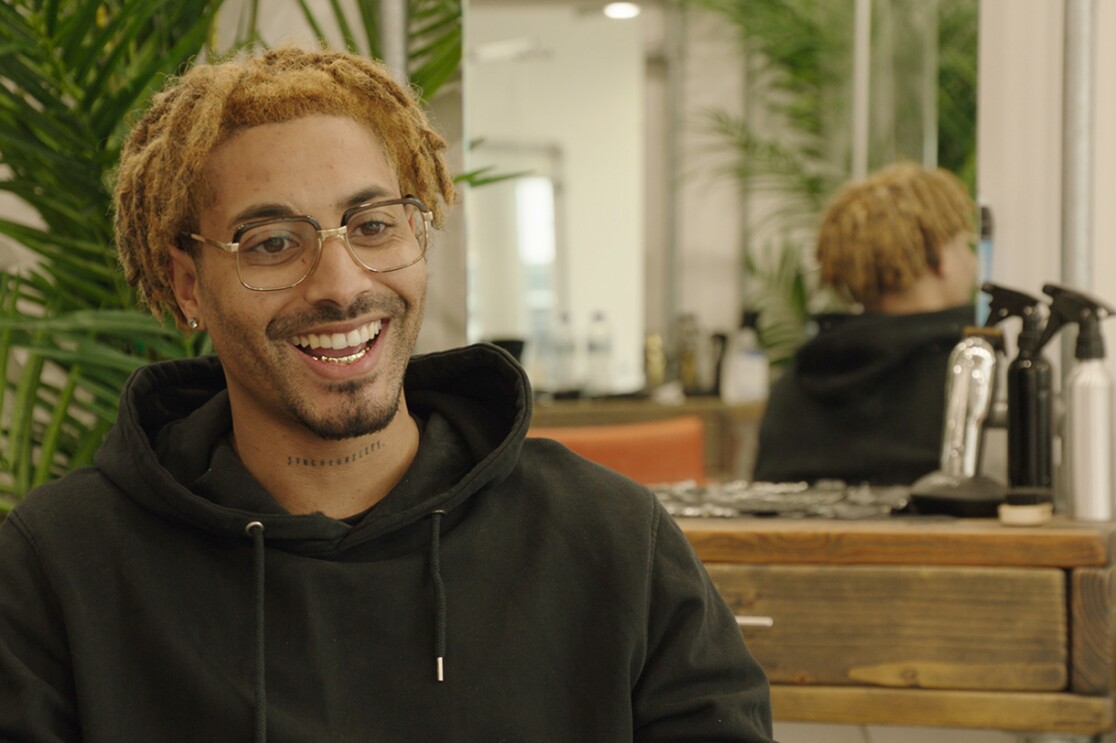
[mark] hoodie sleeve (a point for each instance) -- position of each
(698, 682)
(36, 686)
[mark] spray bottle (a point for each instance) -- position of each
(1030, 498)
(1087, 429)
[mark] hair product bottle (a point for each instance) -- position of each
(1087, 430)
(1030, 411)
(1029, 390)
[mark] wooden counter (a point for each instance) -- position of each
(925, 621)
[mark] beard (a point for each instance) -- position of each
(356, 409)
(350, 408)
(356, 416)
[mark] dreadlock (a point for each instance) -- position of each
(880, 234)
(160, 183)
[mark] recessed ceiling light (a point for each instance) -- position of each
(621, 11)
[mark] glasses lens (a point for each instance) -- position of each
(276, 254)
(385, 237)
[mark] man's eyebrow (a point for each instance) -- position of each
(260, 211)
(365, 195)
(269, 211)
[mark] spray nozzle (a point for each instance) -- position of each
(1070, 305)
(1007, 303)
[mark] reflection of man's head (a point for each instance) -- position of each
(880, 235)
(160, 183)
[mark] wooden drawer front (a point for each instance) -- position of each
(1003, 629)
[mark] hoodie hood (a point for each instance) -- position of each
(170, 451)
(853, 354)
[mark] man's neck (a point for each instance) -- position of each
(306, 474)
(925, 295)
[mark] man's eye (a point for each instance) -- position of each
(274, 245)
(371, 228)
(270, 244)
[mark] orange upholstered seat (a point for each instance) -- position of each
(650, 452)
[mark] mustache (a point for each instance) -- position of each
(365, 304)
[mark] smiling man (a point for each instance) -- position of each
(313, 535)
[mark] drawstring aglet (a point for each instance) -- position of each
(441, 669)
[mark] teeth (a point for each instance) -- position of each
(353, 338)
(343, 360)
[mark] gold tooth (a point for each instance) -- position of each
(344, 360)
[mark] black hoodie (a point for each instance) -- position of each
(138, 602)
(863, 401)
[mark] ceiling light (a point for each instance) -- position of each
(621, 11)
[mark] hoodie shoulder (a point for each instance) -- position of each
(81, 500)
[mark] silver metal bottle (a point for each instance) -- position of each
(1087, 429)
(1087, 441)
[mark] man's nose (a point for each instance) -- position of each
(337, 278)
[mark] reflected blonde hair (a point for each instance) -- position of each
(160, 183)
(880, 234)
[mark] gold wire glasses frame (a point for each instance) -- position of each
(280, 252)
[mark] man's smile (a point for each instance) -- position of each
(340, 348)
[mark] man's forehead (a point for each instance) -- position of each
(276, 169)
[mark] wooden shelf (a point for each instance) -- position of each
(1064, 713)
(925, 621)
(900, 541)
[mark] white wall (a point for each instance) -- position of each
(1019, 145)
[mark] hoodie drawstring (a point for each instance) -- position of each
(439, 593)
(255, 530)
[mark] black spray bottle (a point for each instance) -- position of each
(1030, 410)
(1087, 430)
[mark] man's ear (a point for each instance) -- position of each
(184, 281)
(947, 260)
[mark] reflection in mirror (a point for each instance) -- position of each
(553, 96)
(676, 144)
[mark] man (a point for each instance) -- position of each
(313, 536)
(863, 401)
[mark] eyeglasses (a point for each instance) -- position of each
(279, 253)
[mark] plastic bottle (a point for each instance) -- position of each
(744, 374)
(1087, 430)
(599, 348)
(1029, 391)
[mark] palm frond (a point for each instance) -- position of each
(70, 333)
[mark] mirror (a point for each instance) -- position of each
(621, 195)
(554, 105)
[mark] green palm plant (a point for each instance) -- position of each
(433, 37)
(791, 153)
(70, 330)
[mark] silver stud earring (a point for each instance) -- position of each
(193, 323)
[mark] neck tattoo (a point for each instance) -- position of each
(335, 461)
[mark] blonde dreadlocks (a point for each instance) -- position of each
(880, 234)
(160, 186)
